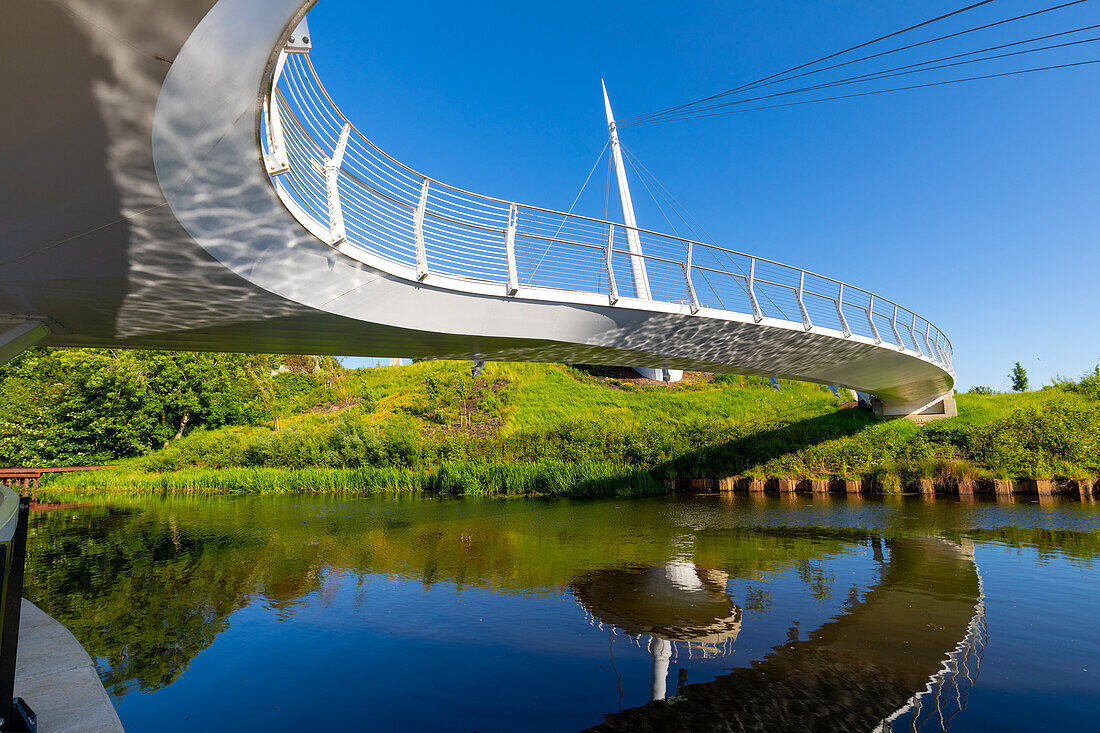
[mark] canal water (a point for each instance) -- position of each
(687, 612)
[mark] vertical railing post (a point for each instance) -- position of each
(894, 325)
(510, 250)
(802, 306)
(613, 292)
(840, 312)
(871, 319)
(757, 315)
(278, 162)
(694, 301)
(337, 233)
(913, 333)
(418, 233)
(939, 350)
(927, 342)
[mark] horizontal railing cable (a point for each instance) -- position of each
(367, 200)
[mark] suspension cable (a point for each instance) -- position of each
(575, 200)
(896, 71)
(689, 116)
(823, 58)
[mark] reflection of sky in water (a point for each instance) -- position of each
(409, 657)
(1042, 666)
(486, 615)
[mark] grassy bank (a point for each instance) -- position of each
(554, 429)
(451, 477)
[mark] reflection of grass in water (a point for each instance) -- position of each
(147, 583)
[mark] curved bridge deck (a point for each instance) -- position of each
(198, 189)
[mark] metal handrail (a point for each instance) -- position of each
(336, 180)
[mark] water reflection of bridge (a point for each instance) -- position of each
(903, 658)
(679, 607)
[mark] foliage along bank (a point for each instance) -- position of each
(528, 428)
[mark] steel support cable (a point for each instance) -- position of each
(650, 273)
(354, 129)
(768, 81)
(677, 206)
(576, 199)
(887, 73)
(324, 92)
(817, 61)
(925, 43)
(568, 259)
(308, 199)
(887, 91)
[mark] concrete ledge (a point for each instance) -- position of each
(56, 677)
(937, 409)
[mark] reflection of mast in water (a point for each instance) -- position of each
(681, 608)
(948, 690)
(891, 659)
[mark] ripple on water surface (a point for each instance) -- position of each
(672, 613)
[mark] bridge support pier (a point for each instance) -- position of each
(936, 409)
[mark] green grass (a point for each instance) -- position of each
(456, 478)
(551, 429)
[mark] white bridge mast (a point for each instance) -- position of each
(633, 242)
(638, 274)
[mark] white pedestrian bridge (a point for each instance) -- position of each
(176, 176)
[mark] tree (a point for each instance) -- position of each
(80, 406)
(1019, 378)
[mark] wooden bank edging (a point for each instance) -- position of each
(11, 477)
(1086, 489)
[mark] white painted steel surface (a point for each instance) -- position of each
(465, 236)
(158, 223)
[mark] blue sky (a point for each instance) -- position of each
(975, 204)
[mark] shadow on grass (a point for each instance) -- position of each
(757, 449)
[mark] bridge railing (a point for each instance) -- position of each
(350, 193)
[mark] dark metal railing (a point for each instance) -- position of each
(15, 714)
